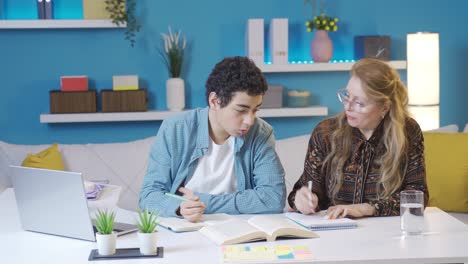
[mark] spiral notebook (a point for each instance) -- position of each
(318, 221)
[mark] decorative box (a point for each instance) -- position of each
(95, 9)
(372, 47)
(273, 97)
(124, 82)
(72, 102)
(74, 83)
(123, 101)
(298, 98)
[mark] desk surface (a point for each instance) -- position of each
(376, 240)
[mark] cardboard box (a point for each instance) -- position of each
(72, 102)
(74, 83)
(372, 47)
(124, 101)
(273, 97)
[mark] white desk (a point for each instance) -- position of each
(377, 240)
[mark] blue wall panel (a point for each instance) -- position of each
(33, 60)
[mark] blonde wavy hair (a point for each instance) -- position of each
(382, 84)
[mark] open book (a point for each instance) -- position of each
(260, 227)
(319, 222)
(182, 225)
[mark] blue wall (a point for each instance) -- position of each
(33, 60)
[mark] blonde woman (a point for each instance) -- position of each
(360, 160)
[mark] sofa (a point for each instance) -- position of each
(124, 164)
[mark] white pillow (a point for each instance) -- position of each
(446, 129)
(466, 128)
(292, 152)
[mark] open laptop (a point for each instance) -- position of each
(54, 202)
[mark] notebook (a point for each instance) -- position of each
(54, 202)
(178, 225)
(260, 227)
(318, 221)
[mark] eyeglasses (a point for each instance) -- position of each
(359, 107)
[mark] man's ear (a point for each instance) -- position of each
(213, 101)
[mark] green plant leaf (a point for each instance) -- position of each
(147, 221)
(105, 221)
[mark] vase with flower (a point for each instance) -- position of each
(321, 47)
(173, 57)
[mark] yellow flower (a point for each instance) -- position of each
(332, 23)
(336, 19)
(335, 28)
(327, 28)
(307, 23)
(309, 30)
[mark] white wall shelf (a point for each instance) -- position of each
(161, 115)
(58, 23)
(320, 66)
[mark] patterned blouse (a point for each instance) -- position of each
(361, 170)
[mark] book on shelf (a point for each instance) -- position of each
(260, 227)
(178, 225)
(48, 9)
(40, 9)
(318, 221)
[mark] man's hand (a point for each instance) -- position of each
(305, 201)
(350, 210)
(193, 209)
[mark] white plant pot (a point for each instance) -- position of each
(106, 243)
(175, 94)
(148, 243)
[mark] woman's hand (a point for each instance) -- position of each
(350, 210)
(305, 201)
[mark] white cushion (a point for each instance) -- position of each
(466, 128)
(123, 164)
(446, 129)
(292, 152)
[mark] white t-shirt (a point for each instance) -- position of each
(215, 170)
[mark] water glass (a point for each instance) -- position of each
(412, 212)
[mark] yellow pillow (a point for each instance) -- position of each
(49, 158)
(446, 157)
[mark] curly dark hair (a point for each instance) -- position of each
(235, 74)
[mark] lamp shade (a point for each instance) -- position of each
(423, 78)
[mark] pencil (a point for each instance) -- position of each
(178, 197)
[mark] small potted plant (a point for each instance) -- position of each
(105, 237)
(147, 234)
(173, 57)
(123, 12)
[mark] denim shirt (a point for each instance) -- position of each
(183, 139)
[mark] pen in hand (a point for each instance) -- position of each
(175, 196)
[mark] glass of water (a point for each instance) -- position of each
(412, 212)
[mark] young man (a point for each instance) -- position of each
(220, 159)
